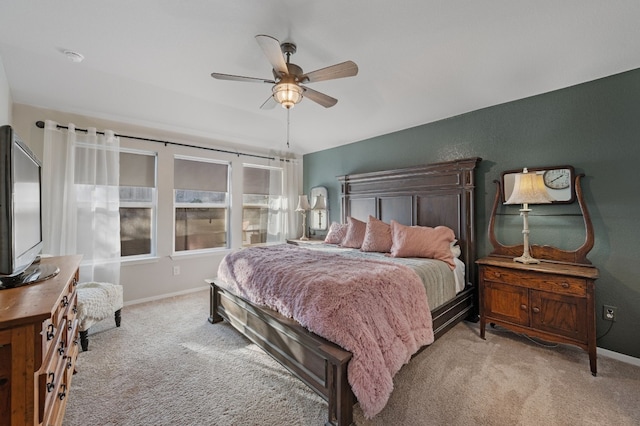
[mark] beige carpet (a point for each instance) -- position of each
(167, 365)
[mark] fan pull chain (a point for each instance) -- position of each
(288, 125)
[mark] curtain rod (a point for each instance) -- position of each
(40, 124)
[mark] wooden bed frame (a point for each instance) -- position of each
(431, 195)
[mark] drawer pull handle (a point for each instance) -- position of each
(61, 349)
(565, 285)
(65, 301)
(51, 332)
(51, 384)
(69, 325)
(75, 309)
(523, 307)
(536, 310)
(62, 394)
(497, 274)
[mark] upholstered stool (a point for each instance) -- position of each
(97, 301)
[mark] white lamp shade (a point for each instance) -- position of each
(303, 203)
(528, 188)
(319, 203)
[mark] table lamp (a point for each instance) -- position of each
(528, 188)
(303, 206)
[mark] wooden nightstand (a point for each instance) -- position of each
(551, 301)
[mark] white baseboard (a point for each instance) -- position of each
(620, 357)
(164, 296)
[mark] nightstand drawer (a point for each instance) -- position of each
(537, 280)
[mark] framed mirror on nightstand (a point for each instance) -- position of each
(319, 213)
(558, 180)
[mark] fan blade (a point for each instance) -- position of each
(319, 98)
(270, 103)
(240, 78)
(345, 69)
(271, 48)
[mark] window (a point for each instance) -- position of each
(261, 205)
(201, 200)
(134, 196)
(138, 203)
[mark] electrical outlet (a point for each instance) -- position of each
(176, 270)
(609, 313)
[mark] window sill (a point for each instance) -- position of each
(203, 253)
(139, 260)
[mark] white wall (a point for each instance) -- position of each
(149, 279)
(5, 97)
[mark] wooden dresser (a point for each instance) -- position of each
(38, 346)
(554, 299)
(551, 301)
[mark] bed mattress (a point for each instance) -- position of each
(441, 283)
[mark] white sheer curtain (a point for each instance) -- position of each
(59, 215)
(292, 177)
(285, 181)
(276, 213)
(81, 200)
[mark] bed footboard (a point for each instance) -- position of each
(321, 364)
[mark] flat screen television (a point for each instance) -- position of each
(20, 213)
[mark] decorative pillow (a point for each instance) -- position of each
(355, 233)
(422, 241)
(455, 248)
(336, 234)
(377, 236)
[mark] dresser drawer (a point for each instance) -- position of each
(50, 378)
(50, 333)
(537, 280)
(70, 320)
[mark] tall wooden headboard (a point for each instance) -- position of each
(428, 195)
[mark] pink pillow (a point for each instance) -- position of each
(377, 236)
(336, 233)
(355, 233)
(422, 241)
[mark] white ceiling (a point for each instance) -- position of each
(148, 62)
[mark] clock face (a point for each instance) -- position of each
(557, 178)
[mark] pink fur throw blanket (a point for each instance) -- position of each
(376, 310)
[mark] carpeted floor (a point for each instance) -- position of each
(166, 365)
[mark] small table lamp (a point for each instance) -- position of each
(319, 206)
(303, 206)
(528, 188)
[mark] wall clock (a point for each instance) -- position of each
(557, 178)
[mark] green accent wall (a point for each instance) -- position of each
(594, 127)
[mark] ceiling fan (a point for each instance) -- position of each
(288, 77)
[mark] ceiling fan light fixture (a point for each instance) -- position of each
(288, 77)
(287, 94)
